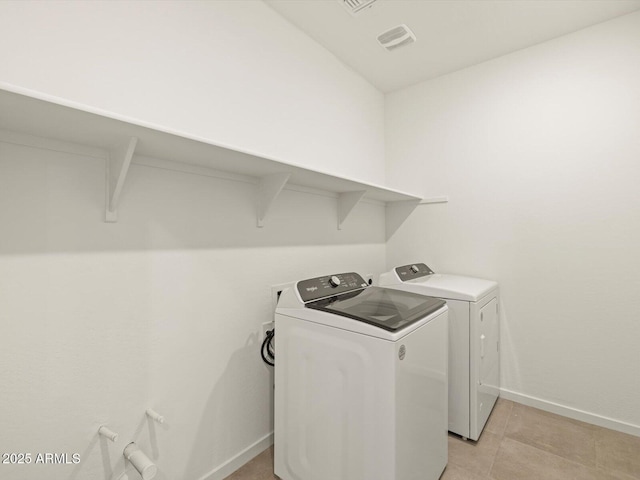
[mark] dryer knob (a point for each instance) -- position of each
(414, 269)
(334, 281)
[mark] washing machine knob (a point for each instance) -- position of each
(414, 269)
(334, 281)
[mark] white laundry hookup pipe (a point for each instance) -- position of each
(152, 414)
(145, 467)
(110, 434)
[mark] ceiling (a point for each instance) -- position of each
(451, 34)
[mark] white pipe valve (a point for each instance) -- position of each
(109, 434)
(153, 415)
(145, 467)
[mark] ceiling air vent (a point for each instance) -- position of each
(396, 37)
(355, 7)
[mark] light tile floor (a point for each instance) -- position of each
(521, 443)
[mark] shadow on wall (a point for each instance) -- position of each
(55, 202)
(228, 397)
(509, 361)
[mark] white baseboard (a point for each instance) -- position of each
(569, 412)
(234, 463)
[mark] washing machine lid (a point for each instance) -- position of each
(389, 309)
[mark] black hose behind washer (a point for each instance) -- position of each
(270, 356)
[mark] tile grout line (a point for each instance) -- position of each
(502, 437)
(533, 446)
(573, 422)
(595, 468)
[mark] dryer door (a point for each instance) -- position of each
(488, 363)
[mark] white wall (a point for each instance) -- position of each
(232, 72)
(162, 309)
(539, 152)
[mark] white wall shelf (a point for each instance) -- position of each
(38, 115)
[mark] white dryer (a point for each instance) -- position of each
(360, 382)
(474, 340)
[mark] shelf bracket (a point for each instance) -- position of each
(346, 203)
(268, 190)
(117, 168)
(432, 200)
(396, 213)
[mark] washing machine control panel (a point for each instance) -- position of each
(319, 287)
(415, 270)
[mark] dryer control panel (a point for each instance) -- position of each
(415, 270)
(320, 287)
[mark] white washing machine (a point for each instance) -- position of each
(474, 340)
(360, 382)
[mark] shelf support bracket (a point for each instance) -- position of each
(396, 213)
(432, 200)
(118, 164)
(268, 190)
(346, 203)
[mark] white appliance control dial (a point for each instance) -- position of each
(414, 269)
(334, 281)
